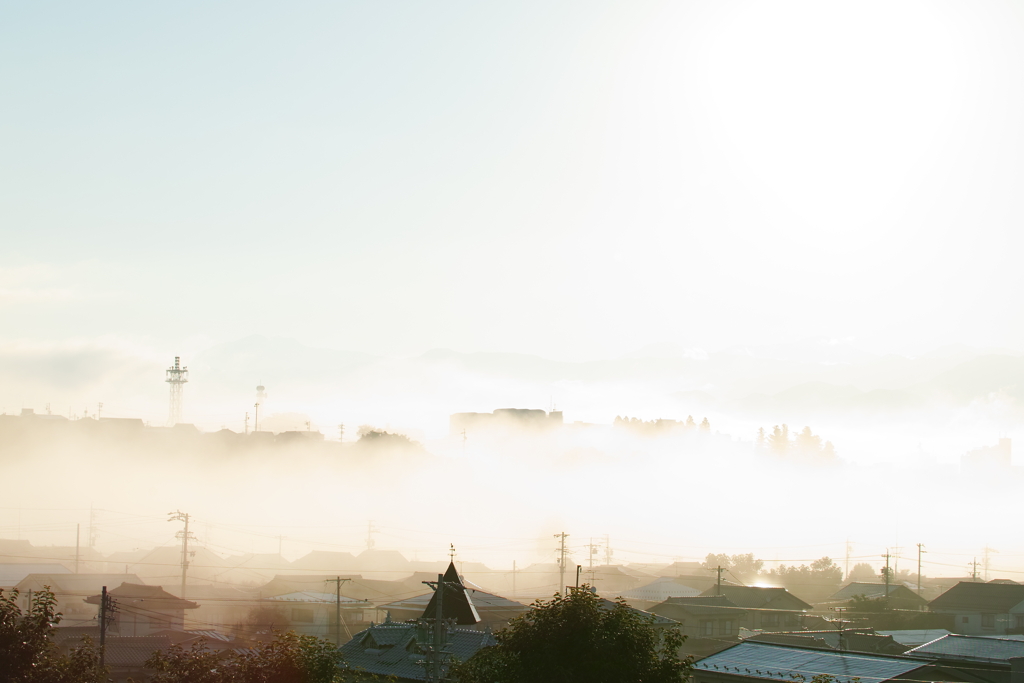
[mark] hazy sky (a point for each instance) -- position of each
(576, 179)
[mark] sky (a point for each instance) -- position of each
(572, 179)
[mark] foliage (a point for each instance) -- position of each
(289, 658)
(805, 445)
(862, 571)
(821, 572)
(574, 638)
(27, 650)
(371, 438)
(744, 567)
(661, 425)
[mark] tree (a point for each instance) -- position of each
(27, 651)
(743, 567)
(705, 426)
(778, 440)
(862, 571)
(289, 658)
(821, 572)
(577, 637)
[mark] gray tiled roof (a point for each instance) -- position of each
(391, 649)
(979, 597)
(982, 648)
(784, 663)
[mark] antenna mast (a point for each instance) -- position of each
(177, 376)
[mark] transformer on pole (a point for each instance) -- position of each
(177, 376)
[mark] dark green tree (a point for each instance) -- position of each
(289, 658)
(577, 638)
(27, 651)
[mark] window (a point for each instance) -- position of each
(727, 627)
(707, 628)
(1018, 621)
(769, 620)
(988, 621)
(966, 620)
(302, 616)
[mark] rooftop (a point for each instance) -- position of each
(786, 663)
(974, 648)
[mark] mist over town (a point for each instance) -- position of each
(382, 339)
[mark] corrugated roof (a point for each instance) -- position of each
(786, 663)
(980, 648)
(133, 651)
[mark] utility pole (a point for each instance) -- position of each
(846, 569)
(607, 550)
(341, 433)
(370, 528)
(247, 423)
(180, 516)
(886, 556)
(513, 578)
(986, 561)
(840, 611)
(561, 561)
(579, 568)
(720, 570)
(99, 410)
(78, 537)
(257, 428)
(974, 569)
(920, 549)
(337, 611)
(107, 610)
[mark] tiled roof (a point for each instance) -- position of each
(394, 649)
(979, 597)
(981, 648)
(319, 598)
(154, 596)
(760, 597)
(704, 605)
(785, 663)
(872, 590)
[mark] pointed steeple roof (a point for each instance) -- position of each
(457, 603)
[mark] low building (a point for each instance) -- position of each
(394, 649)
(983, 608)
(143, 610)
(71, 591)
(494, 610)
(988, 658)
(897, 596)
(311, 613)
(766, 608)
(708, 616)
(752, 662)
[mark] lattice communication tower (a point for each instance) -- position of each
(177, 376)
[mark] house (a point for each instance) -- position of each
(494, 610)
(753, 662)
(897, 597)
(850, 640)
(394, 649)
(142, 610)
(989, 658)
(13, 574)
(703, 616)
(983, 608)
(767, 608)
(70, 590)
(312, 613)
